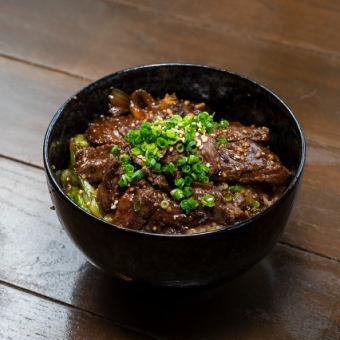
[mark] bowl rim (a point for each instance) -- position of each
(142, 233)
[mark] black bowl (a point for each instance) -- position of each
(180, 260)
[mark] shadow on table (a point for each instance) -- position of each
(191, 313)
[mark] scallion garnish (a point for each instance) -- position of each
(221, 141)
(115, 150)
(208, 200)
(177, 194)
(235, 188)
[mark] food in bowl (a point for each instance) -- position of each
(166, 166)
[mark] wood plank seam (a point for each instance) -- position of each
(71, 306)
(45, 67)
(287, 244)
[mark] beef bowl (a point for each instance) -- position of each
(181, 259)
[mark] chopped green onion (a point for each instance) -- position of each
(209, 126)
(255, 204)
(186, 169)
(169, 168)
(136, 151)
(137, 175)
(203, 178)
(124, 158)
(177, 194)
(224, 123)
(171, 134)
(203, 116)
(161, 142)
(145, 126)
(165, 204)
(194, 176)
(189, 204)
(235, 188)
(157, 167)
(193, 159)
(187, 191)
(221, 141)
(182, 161)
(156, 130)
(191, 146)
(180, 147)
(208, 200)
(151, 162)
(115, 150)
(151, 149)
(144, 146)
(81, 141)
(187, 120)
(179, 182)
(177, 119)
(188, 180)
(123, 181)
(128, 169)
(198, 168)
(150, 140)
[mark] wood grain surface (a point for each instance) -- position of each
(120, 36)
(288, 286)
(25, 316)
(49, 50)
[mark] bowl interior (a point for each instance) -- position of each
(231, 96)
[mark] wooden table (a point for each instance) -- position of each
(50, 49)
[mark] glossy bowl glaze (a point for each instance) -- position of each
(180, 260)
